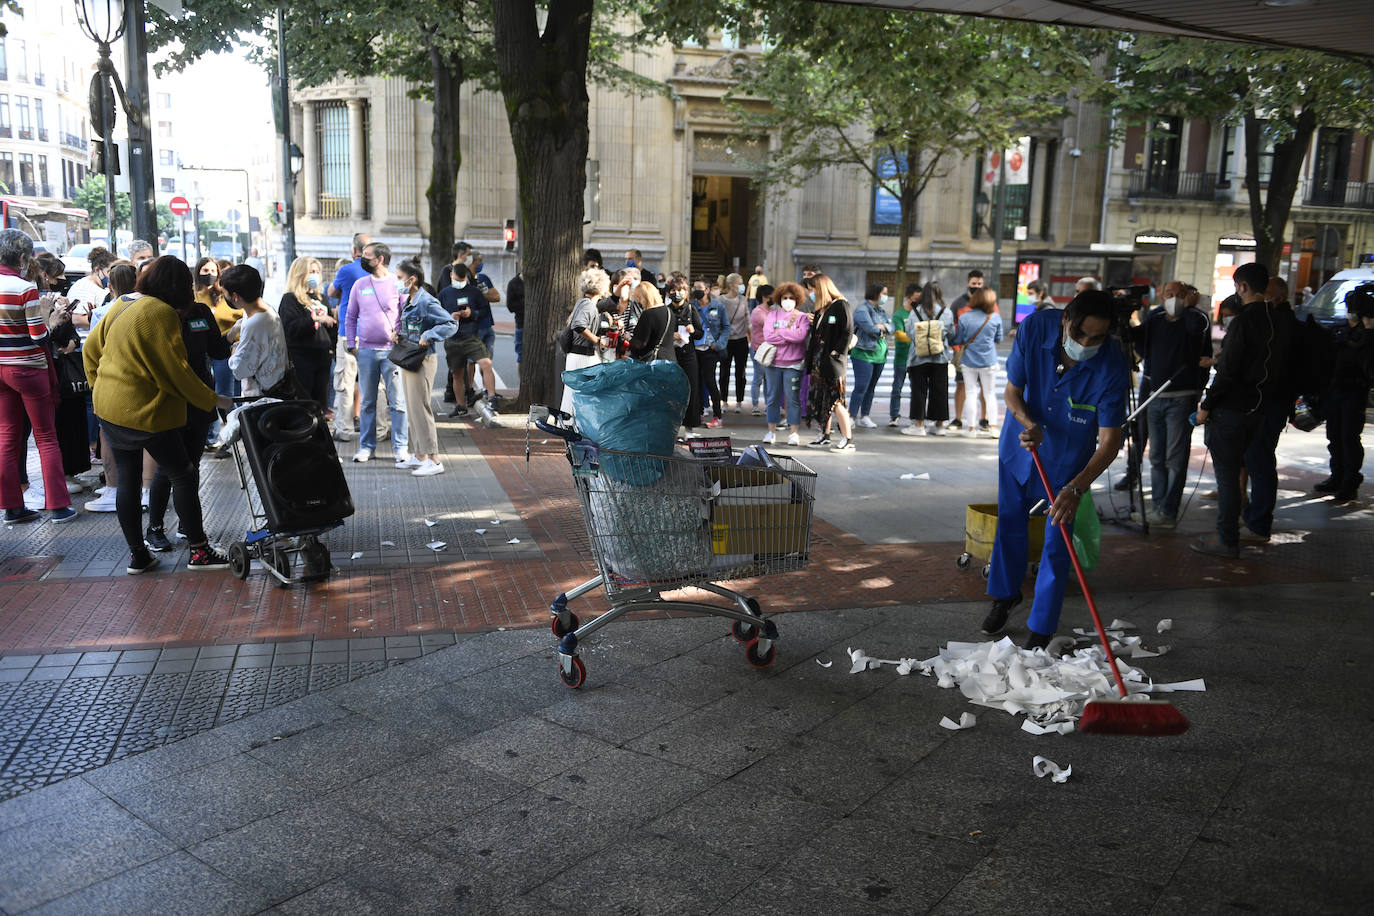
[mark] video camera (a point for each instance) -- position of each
(1128, 300)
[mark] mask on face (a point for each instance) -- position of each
(205, 279)
(740, 289)
(1172, 306)
(312, 282)
(105, 282)
(625, 291)
(883, 300)
(677, 295)
(1077, 351)
(698, 294)
(811, 296)
(459, 284)
(789, 304)
(1226, 321)
(972, 290)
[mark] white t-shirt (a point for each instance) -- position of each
(259, 360)
(84, 296)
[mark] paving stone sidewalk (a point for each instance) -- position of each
(681, 780)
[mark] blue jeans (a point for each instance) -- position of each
(373, 365)
(519, 344)
(784, 383)
(894, 402)
(1011, 545)
(760, 380)
(866, 377)
(1170, 437)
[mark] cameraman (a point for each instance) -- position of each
(1066, 397)
(1173, 341)
(1245, 410)
(1344, 402)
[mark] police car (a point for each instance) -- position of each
(1327, 305)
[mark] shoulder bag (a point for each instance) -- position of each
(407, 354)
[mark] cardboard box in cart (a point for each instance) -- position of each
(758, 512)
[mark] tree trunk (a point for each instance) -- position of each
(442, 192)
(907, 203)
(543, 79)
(1270, 220)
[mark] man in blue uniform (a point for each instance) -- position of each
(1066, 397)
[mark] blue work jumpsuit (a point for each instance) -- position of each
(1071, 409)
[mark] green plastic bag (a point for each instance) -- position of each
(1087, 532)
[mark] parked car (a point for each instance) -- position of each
(1327, 305)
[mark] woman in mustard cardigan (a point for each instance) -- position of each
(141, 383)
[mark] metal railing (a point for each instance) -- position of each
(73, 141)
(1172, 185)
(7, 132)
(42, 135)
(26, 133)
(334, 207)
(1342, 194)
(40, 79)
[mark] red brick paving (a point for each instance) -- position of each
(185, 609)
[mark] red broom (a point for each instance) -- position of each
(1123, 715)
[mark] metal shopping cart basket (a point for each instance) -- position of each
(660, 524)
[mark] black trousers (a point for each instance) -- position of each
(193, 440)
(313, 373)
(707, 360)
(1344, 412)
(929, 391)
(168, 449)
(736, 354)
(687, 360)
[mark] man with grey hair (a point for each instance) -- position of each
(141, 251)
(25, 387)
(1086, 283)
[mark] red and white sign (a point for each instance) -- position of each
(179, 205)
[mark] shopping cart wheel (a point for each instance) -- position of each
(315, 563)
(760, 659)
(281, 562)
(965, 560)
(576, 674)
(744, 633)
(987, 570)
(239, 563)
(561, 629)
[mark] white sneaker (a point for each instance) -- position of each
(867, 423)
(74, 486)
(915, 429)
(104, 503)
(406, 461)
(769, 438)
(894, 423)
(144, 498)
(794, 439)
(937, 430)
(364, 454)
(427, 468)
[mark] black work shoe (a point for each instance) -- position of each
(1001, 610)
(140, 563)
(1346, 496)
(459, 411)
(156, 539)
(1038, 640)
(473, 396)
(1212, 545)
(1124, 484)
(1329, 485)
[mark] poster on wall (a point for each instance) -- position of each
(1026, 272)
(1018, 165)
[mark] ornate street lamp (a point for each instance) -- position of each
(102, 21)
(297, 162)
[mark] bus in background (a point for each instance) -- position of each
(55, 228)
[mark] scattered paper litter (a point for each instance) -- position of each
(513, 541)
(480, 530)
(862, 661)
(543, 441)
(825, 664)
(1166, 624)
(1052, 728)
(357, 554)
(922, 476)
(430, 522)
(1119, 624)
(966, 720)
(495, 521)
(436, 545)
(1042, 768)
(388, 543)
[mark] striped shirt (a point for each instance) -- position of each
(23, 324)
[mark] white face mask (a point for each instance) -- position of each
(882, 300)
(1226, 321)
(1172, 306)
(625, 291)
(459, 284)
(740, 289)
(788, 304)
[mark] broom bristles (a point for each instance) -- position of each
(1135, 716)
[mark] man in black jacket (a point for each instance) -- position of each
(1343, 404)
(1172, 339)
(515, 301)
(1245, 410)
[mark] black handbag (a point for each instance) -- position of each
(408, 355)
(71, 375)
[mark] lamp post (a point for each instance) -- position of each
(102, 21)
(195, 216)
(291, 161)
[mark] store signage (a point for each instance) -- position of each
(1156, 238)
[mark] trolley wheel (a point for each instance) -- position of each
(575, 678)
(965, 561)
(315, 563)
(559, 630)
(744, 633)
(987, 570)
(239, 563)
(281, 562)
(759, 659)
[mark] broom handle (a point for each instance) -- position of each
(1082, 579)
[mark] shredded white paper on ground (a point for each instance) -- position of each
(1050, 690)
(388, 543)
(357, 555)
(1166, 624)
(513, 541)
(436, 545)
(923, 476)
(480, 530)
(1042, 768)
(966, 720)
(430, 522)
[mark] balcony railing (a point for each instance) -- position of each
(40, 79)
(26, 133)
(7, 132)
(73, 141)
(4, 73)
(334, 207)
(1342, 194)
(1172, 185)
(42, 135)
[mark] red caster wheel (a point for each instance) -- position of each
(574, 678)
(559, 630)
(744, 633)
(759, 659)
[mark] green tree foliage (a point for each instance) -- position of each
(1279, 96)
(166, 220)
(901, 97)
(90, 196)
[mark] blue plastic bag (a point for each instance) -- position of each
(630, 406)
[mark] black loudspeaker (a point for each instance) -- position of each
(295, 466)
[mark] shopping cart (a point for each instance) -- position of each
(661, 524)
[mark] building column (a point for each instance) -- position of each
(310, 171)
(357, 160)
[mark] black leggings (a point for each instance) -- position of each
(193, 440)
(169, 451)
(313, 372)
(929, 391)
(737, 353)
(706, 368)
(687, 360)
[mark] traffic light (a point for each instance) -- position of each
(278, 213)
(510, 235)
(98, 157)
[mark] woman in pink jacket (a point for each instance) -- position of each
(785, 328)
